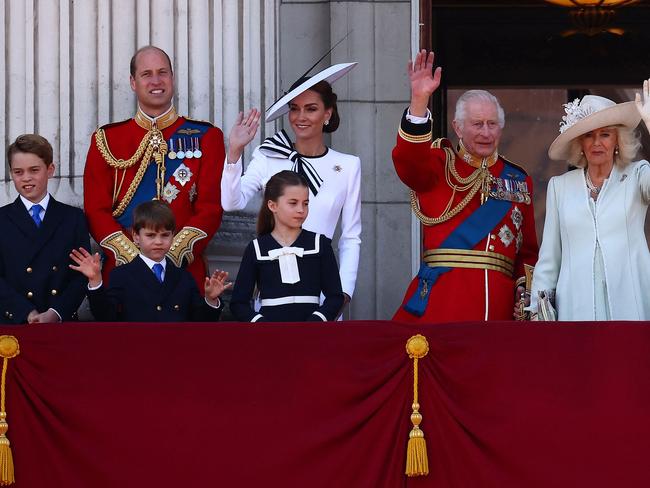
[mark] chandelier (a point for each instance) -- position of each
(592, 17)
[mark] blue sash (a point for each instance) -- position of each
(147, 188)
(466, 236)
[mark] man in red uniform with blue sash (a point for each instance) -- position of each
(155, 155)
(475, 207)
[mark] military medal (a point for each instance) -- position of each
(197, 149)
(183, 174)
(189, 153)
(171, 154)
(170, 192)
(506, 235)
(517, 217)
(181, 153)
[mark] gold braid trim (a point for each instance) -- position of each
(123, 248)
(153, 145)
(412, 138)
(478, 180)
(113, 162)
(183, 244)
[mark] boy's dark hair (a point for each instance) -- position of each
(274, 190)
(155, 215)
(31, 144)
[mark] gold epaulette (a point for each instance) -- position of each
(183, 243)
(441, 142)
(123, 248)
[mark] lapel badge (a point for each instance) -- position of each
(623, 176)
(183, 174)
(337, 168)
(170, 192)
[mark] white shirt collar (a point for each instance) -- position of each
(43, 203)
(151, 262)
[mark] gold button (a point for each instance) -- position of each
(30, 294)
(159, 308)
(53, 292)
(54, 268)
(491, 248)
(29, 270)
(11, 316)
(492, 236)
(176, 307)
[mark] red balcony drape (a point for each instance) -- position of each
(304, 405)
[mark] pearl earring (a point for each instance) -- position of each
(616, 151)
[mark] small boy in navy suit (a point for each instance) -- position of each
(150, 288)
(36, 236)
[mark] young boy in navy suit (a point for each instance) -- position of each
(150, 288)
(36, 237)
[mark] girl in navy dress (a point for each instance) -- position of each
(290, 266)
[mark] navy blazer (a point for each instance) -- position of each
(134, 294)
(34, 272)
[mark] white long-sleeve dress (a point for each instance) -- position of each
(339, 196)
(595, 255)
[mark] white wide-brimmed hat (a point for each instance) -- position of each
(330, 75)
(590, 113)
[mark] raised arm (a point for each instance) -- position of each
(424, 81)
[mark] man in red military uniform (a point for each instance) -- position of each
(156, 154)
(475, 207)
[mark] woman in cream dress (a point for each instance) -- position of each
(594, 252)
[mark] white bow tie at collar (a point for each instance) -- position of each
(288, 263)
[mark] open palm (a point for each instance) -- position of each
(424, 81)
(643, 102)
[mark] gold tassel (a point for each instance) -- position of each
(417, 463)
(9, 348)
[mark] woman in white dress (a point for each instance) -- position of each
(594, 253)
(334, 178)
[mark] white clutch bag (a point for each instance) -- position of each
(546, 306)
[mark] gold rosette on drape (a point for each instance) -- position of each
(417, 463)
(8, 349)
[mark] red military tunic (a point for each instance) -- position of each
(463, 293)
(196, 203)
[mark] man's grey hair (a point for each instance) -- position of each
(479, 95)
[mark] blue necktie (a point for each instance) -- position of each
(158, 271)
(36, 214)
